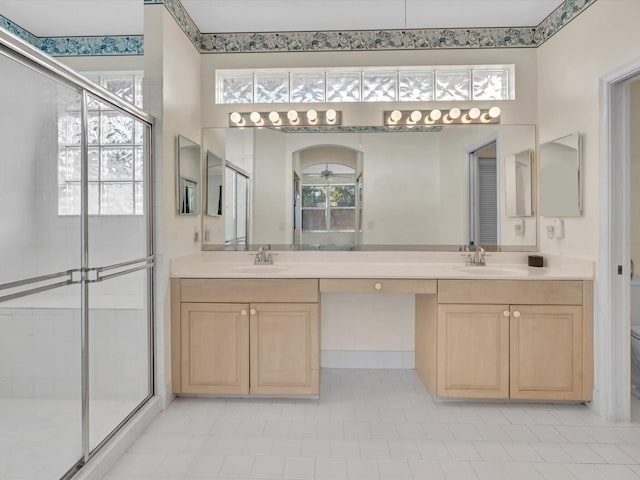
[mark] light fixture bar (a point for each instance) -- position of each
(290, 118)
(453, 116)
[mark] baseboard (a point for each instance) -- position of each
(366, 359)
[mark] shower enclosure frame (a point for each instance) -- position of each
(25, 54)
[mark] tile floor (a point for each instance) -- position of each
(41, 438)
(379, 424)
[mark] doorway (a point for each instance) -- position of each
(483, 194)
(236, 205)
(618, 310)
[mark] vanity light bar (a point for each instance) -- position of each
(454, 116)
(291, 118)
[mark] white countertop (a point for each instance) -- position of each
(379, 265)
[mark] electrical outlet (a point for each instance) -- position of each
(551, 231)
(518, 227)
(558, 226)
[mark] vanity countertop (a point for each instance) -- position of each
(379, 265)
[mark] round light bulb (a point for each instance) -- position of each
(274, 117)
(435, 115)
(454, 113)
(395, 116)
(235, 117)
(474, 113)
(494, 112)
(255, 117)
(416, 115)
(292, 115)
(312, 115)
(331, 115)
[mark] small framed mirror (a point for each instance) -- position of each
(189, 177)
(215, 171)
(560, 177)
(517, 184)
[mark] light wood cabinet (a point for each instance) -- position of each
(546, 352)
(285, 349)
(473, 351)
(263, 340)
(214, 348)
(519, 339)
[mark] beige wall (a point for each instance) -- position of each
(134, 63)
(522, 110)
(605, 37)
(172, 95)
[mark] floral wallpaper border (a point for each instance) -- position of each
(361, 40)
(79, 46)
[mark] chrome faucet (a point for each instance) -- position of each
(478, 258)
(262, 257)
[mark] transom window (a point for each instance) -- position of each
(445, 83)
(116, 152)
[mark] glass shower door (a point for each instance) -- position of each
(40, 293)
(119, 265)
(76, 265)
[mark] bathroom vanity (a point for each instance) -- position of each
(505, 331)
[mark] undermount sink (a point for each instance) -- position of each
(482, 270)
(259, 269)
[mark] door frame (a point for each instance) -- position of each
(472, 187)
(612, 395)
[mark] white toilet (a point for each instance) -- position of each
(635, 360)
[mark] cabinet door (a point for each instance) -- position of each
(473, 351)
(285, 349)
(215, 348)
(546, 352)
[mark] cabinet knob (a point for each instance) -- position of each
(516, 314)
(378, 286)
(506, 313)
(243, 312)
(252, 311)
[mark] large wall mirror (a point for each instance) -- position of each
(560, 182)
(189, 177)
(370, 189)
(518, 185)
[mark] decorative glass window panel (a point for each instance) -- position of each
(415, 86)
(490, 85)
(116, 153)
(272, 88)
(138, 92)
(94, 127)
(121, 85)
(307, 88)
(236, 88)
(419, 83)
(116, 164)
(94, 164)
(379, 87)
(453, 85)
(116, 129)
(343, 87)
